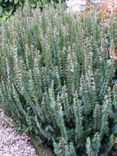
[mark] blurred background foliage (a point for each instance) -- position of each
(8, 7)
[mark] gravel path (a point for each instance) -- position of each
(12, 143)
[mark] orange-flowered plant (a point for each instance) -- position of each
(113, 53)
(108, 7)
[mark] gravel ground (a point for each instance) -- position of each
(12, 143)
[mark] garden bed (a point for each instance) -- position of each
(57, 80)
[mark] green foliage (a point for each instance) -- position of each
(57, 80)
(8, 7)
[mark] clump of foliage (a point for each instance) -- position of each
(8, 7)
(56, 79)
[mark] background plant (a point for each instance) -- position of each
(57, 80)
(8, 7)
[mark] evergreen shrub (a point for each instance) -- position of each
(56, 80)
